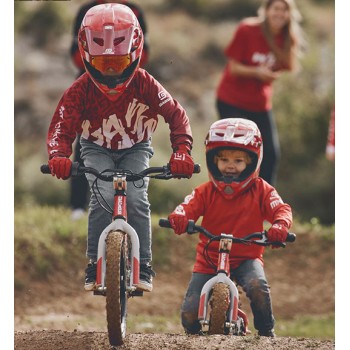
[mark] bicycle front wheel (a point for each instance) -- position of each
(219, 303)
(116, 279)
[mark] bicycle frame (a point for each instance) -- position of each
(119, 223)
(222, 276)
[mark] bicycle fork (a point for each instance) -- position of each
(119, 223)
(234, 314)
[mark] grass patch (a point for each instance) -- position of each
(46, 239)
(155, 324)
(321, 327)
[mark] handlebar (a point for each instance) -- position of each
(261, 237)
(162, 172)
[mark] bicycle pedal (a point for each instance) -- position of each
(99, 292)
(136, 293)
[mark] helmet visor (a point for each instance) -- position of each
(232, 133)
(112, 63)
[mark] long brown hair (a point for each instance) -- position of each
(294, 41)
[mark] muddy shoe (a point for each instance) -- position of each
(90, 276)
(146, 277)
(268, 333)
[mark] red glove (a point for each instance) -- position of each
(178, 222)
(181, 162)
(278, 232)
(60, 167)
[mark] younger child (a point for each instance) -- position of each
(235, 201)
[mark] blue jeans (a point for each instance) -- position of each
(250, 276)
(135, 159)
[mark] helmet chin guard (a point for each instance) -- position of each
(235, 134)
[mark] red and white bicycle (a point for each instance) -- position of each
(218, 311)
(118, 262)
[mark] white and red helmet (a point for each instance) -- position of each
(110, 42)
(237, 134)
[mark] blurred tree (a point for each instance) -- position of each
(43, 24)
(216, 10)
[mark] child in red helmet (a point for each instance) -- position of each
(115, 107)
(79, 186)
(235, 201)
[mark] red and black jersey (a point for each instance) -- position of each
(240, 216)
(133, 118)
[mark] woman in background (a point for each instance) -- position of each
(262, 47)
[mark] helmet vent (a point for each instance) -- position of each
(119, 40)
(98, 41)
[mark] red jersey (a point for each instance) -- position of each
(248, 47)
(240, 216)
(133, 118)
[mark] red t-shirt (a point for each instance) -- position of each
(240, 216)
(248, 47)
(133, 118)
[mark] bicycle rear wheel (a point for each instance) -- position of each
(219, 304)
(116, 279)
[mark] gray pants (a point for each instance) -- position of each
(135, 159)
(250, 276)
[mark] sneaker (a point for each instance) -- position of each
(268, 333)
(90, 276)
(146, 276)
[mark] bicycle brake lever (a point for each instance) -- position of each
(266, 240)
(278, 244)
(263, 239)
(162, 176)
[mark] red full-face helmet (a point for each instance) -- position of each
(110, 41)
(236, 134)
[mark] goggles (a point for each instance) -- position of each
(104, 63)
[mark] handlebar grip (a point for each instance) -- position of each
(197, 168)
(291, 237)
(45, 169)
(164, 223)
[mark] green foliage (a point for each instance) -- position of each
(165, 243)
(44, 24)
(45, 239)
(216, 10)
(321, 327)
(163, 199)
(302, 107)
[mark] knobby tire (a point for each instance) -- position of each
(116, 297)
(219, 304)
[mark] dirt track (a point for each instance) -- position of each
(58, 340)
(54, 316)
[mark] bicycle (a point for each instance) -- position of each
(219, 311)
(118, 256)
